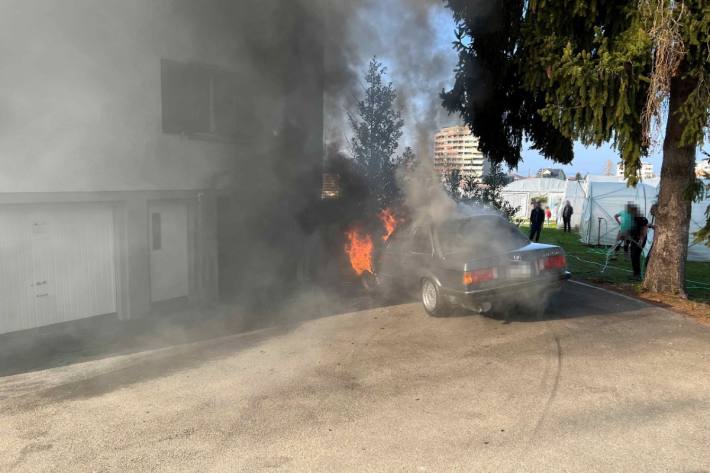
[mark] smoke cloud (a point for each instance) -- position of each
(84, 115)
(407, 36)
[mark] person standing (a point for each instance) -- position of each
(637, 240)
(567, 212)
(625, 219)
(548, 215)
(537, 220)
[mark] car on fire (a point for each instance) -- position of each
(478, 262)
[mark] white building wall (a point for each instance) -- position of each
(80, 94)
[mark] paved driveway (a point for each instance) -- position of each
(603, 384)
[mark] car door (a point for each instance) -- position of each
(420, 255)
(390, 267)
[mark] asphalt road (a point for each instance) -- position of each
(604, 383)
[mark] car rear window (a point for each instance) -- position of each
(486, 234)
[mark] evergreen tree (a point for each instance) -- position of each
(377, 130)
(408, 160)
(488, 192)
(452, 183)
(594, 71)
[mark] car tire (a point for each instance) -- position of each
(432, 299)
(370, 283)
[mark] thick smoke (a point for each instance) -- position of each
(299, 64)
(99, 117)
(406, 39)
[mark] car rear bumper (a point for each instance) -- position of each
(509, 292)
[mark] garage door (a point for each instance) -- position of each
(56, 264)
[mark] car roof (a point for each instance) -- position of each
(460, 211)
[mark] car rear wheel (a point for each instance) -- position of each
(431, 299)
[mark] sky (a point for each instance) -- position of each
(386, 23)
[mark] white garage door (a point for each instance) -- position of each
(56, 264)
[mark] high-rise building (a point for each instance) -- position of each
(456, 148)
(646, 170)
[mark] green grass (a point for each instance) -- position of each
(587, 263)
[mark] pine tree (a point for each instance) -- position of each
(488, 191)
(595, 71)
(408, 160)
(377, 130)
(452, 183)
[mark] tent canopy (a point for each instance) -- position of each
(576, 194)
(520, 193)
(605, 198)
(699, 251)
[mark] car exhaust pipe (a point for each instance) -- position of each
(481, 308)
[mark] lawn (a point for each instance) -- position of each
(590, 263)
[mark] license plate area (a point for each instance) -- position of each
(520, 271)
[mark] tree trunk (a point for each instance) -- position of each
(666, 267)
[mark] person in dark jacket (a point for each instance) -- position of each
(567, 212)
(637, 236)
(537, 220)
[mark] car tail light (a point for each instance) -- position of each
(480, 275)
(555, 262)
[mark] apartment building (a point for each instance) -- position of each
(456, 148)
(646, 170)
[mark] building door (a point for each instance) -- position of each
(56, 264)
(168, 250)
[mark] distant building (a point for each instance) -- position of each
(646, 170)
(702, 168)
(552, 173)
(456, 148)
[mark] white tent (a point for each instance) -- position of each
(605, 197)
(576, 194)
(698, 251)
(520, 193)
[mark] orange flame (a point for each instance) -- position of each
(389, 221)
(359, 249)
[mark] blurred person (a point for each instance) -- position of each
(652, 226)
(567, 212)
(637, 240)
(548, 215)
(625, 220)
(537, 220)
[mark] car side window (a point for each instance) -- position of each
(421, 243)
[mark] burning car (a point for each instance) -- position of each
(477, 262)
